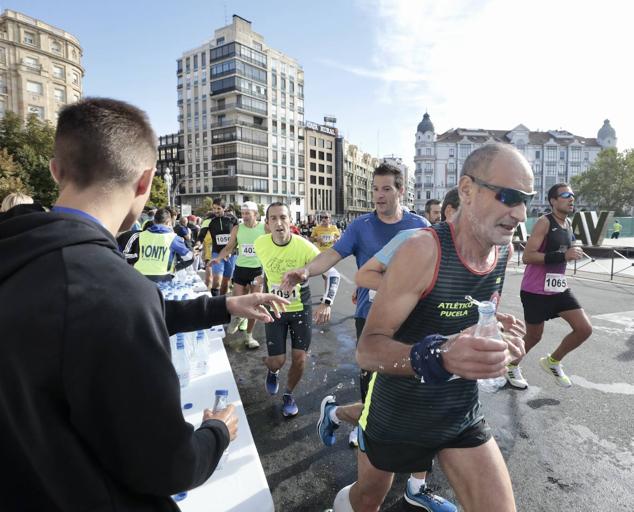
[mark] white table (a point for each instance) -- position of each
(240, 484)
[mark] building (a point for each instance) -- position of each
(241, 112)
(555, 156)
(321, 141)
(171, 156)
(358, 167)
(409, 180)
(40, 67)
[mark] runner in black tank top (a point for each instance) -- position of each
(415, 410)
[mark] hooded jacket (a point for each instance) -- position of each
(90, 413)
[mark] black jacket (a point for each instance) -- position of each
(90, 413)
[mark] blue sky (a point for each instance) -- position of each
(377, 65)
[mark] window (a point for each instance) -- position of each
(321, 167)
(321, 180)
(329, 157)
(538, 154)
(58, 72)
(34, 87)
(60, 95)
(321, 155)
(465, 149)
(75, 78)
(313, 153)
(313, 142)
(56, 47)
(451, 152)
(551, 153)
(31, 62)
(313, 167)
(329, 182)
(29, 38)
(329, 169)
(313, 180)
(37, 111)
(3, 56)
(562, 154)
(321, 143)
(428, 151)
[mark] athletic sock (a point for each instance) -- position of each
(415, 483)
(215, 292)
(552, 361)
(333, 416)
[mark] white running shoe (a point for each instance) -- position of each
(250, 341)
(353, 438)
(556, 370)
(515, 378)
(233, 325)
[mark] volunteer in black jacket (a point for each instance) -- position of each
(90, 413)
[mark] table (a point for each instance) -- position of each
(240, 484)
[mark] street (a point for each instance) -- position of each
(566, 449)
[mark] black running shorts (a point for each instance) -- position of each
(413, 458)
(245, 276)
(300, 326)
(540, 308)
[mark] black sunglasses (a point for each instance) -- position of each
(566, 195)
(508, 196)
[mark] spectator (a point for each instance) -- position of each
(14, 199)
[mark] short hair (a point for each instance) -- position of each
(452, 198)
(162, 215)
(172, 211)
(104, 141)
(277, 203)
(431, 203)
(14, 199)
(385, 169)
(478, 162)
(552, 191)
(219, 201)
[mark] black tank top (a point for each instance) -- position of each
(558, 238)
(402, 409)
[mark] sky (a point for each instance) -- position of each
(379, 65)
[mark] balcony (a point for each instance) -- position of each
(231, 122)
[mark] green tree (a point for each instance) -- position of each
(30, 145)
(203, 209)
(608, 184)
(12, 177)
(158, 193)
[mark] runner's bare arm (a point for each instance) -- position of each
(531, 251)
(370, 274)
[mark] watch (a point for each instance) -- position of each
(326, 300)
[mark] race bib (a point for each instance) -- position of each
(247, 250)
(222, 239)
(326, 239)
(555, 283)
(371, 295)
(292, 295)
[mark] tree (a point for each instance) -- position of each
(12, 177)
(30, 145)
(609, 182)
(204, 208)
(158, 193)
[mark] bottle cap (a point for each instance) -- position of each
(188, 405)
(222, 392)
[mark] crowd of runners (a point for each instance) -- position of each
(418, 282)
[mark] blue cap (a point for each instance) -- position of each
(222, 392)
(188, 405)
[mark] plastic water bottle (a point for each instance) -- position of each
(200, 355)
(220, 404)
(488, 328)
(180, 360)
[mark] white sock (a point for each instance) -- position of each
(333, 416)
(415, 483)
(342, 500)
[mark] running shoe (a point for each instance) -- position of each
(353, 438)
(325, 426)
(244, 324)
(514, 377)
(250, 341)
(556, 370)
(272, 382)
(289, 407)
(428, 501)
(234, 325)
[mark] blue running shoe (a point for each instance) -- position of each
(325, 426)
(428, 501)
(289, 407)
(272, 382)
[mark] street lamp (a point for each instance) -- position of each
(167, 177)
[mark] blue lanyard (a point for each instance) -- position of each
(74, 211)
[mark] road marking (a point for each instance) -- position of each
(625, 318)
(619, 388)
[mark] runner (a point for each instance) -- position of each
(248, 269)
(432, 211)
(418, 335)
(325, 234)
(214, 235)
(280, 251)
(363, 238)
(544, 291)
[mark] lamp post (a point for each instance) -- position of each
(167, 177)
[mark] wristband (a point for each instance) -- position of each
(554, 257)
(426, 360)
(326, 300)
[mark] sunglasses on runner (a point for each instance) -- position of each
(508, 196)
(566, 195)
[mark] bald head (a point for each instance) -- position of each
(478, 163)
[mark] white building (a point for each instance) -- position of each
(555, 156)
(241, 113)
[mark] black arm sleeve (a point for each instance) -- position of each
(195, 314)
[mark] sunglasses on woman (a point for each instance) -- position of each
(508, 196)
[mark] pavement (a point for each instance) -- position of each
(566, 449)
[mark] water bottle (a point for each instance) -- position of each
(488, 328)
(200, 355)
(220, 403)
(180, 361)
